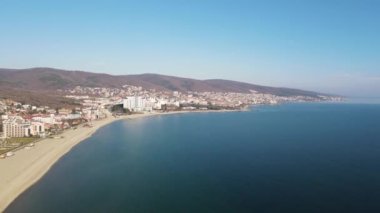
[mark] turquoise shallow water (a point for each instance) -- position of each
(288, 158)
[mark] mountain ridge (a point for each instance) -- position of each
(44, 80)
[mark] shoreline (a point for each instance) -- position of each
(21, 171)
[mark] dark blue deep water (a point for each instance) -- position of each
(288, 158)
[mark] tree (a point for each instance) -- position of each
(119, 109)
(127, 111)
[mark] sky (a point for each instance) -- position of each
(329, 46)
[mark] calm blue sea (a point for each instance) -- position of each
(288, 158)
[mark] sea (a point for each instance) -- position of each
(308, 157)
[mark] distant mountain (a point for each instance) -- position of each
(46, 81)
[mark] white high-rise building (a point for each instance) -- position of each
(134, 103)
(15, 127)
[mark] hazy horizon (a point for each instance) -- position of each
(324, 46)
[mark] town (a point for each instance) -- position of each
(23, 124)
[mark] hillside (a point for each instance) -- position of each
(46, 81)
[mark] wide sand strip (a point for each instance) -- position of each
(19, 172)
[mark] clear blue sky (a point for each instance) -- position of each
(330, 46)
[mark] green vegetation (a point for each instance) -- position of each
(12, 143)
(21, 140)
(54, 80)
(119, 109)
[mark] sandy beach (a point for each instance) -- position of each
(27, 166)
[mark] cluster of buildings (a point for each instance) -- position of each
(137, 99)
(134, 99)
(22, 120)
(16, 126)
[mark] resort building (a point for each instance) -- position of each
(134, 103)
(15, 126)
(47, 119)
(35, 129)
